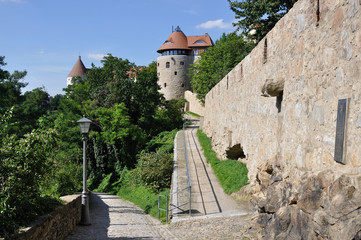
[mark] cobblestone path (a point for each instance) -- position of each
(114, 218)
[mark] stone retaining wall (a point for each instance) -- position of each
(193, 104)
(277, 111)
(57, 225)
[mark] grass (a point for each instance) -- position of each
(193, 114)
(231, 174)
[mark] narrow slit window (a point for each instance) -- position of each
(167, 64)
(265, 51)
(175, 73)
(165, 84)
(317, 12)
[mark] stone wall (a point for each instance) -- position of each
(193, 104)
(56, 225)
(277, 111)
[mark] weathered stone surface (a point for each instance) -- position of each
(193, 104)
(358, 123)
(273, 87)
(308, 191)
(56, 225)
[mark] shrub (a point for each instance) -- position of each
(24, 164)
(163, 142)
(155, 170)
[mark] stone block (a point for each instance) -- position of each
(318, 114)
(358, 122)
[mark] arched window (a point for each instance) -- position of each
(167, 64)
(199, 42)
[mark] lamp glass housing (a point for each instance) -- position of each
(84, 125)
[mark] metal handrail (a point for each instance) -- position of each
(189, 187)
(187, 167)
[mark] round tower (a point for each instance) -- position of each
(173, 64)
(78, 70)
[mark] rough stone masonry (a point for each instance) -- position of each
(277, 111)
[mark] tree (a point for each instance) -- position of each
(258, 17)
(10, 87)
(34, 105)
(216, 62)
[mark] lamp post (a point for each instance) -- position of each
(84, 125)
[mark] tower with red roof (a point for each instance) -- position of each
(78, 70)
(178, 52)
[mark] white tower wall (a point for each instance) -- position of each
(173, 79)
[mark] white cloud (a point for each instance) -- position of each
(96, 56)
(215, 24)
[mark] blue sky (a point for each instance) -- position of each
(45, 37)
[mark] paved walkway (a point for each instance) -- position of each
(208, 197)
(114, 218)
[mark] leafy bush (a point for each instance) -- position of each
(163, 142)
(231, 174)
(24, 164)
(155, 170)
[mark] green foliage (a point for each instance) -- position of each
(47, 162)
(216, 62)
(65, 177)
(259, 15)
(231, 174)
(154, 170)
(169, 117)
(24, 166)
(163, 142)
(10, 87)
(128, 187)
(34, 105)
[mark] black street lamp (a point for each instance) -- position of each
(84, 125)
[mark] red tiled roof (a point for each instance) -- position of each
(178, 40)
(78, 70)
(200, 41)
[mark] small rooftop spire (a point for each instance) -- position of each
(177, 29)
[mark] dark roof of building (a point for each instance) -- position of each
(178, 40)
(78, 70)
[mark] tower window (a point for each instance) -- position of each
(175, 73)
(167, 64)
(183, 85)
(182, 63)
(165, 84)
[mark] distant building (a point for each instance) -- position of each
(78, 70)
(178, 52)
